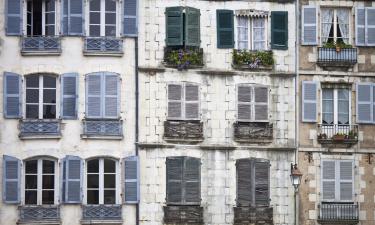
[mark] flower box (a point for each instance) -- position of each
(183, 59)
(253, 60)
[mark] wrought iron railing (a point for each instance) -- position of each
(39, 127)
(345, 133)
(39, 213)
(101, 212)
(336, 212)
(103, 45)
(253, 131)
(191, 130)
(344, 56)
(41, 44)
(102, 127)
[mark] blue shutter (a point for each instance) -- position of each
(309, 101)
(364, 102)
(93, 95)
(73, 179)
(72, 17)
(69, 95)
(130, 22)
(360, 24)
(131, 172)
(11, 179)
(12, 95)
(13, 21)
(370, 26)
(309, 25)
(111, 95)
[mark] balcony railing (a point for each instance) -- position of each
(331, 57)
(102, 128)
(253, 132)
(101, 212)
(39, 213)
(253, 215)
(105, 45)
(337, 133)
(43, 128)
(41, 44)
(183, 214)
(183, 130)
(342, 213)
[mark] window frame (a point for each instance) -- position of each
(250, 33)
(44, 13)
(252, 103)
(335, 106)
(102, 23)
(335, 24)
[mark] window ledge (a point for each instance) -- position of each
(102, 137)
(247, 68)
(41, 52)
(39, 222)
(39, 136)
(102, 222)
(99, 53)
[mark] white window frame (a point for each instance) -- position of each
(335, 24)
(25, 12)
(250, 34)
(335, 106)
(102, 18)
(252, 103)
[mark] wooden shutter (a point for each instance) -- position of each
(130, 22)
(73, 180)
(328, 180)
(69, 95)
(279, 30)
(260, 104)
(191, 101)
(131, 172)
(261, 182)
(175, 101)
(192, 27)
(346, 180)
(370, 26)
(364, 103)
(12, 95)
(244, 182)
(174, 179)
(93, 95)
(191, 181)
(360, 22)
(309, 25)
(13, 19)
(244, 99)
(225, 33)
(11, 179)
(309, 101)
(72, 17)
(111, 95)
(174, 26)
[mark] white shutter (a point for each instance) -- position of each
(175, 92)
(346, 180)
(364, 103)
(360, 21)
(309, 25)
(309, 101)
(244, 99)
(370, 26)
(328, 180)
(191, 101)
(260, 104)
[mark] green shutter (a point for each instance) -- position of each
(225, 37)
(174, 26)
(192, 27)
(279, 30)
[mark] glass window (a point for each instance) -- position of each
(335, 106)
(102, 18)
(335, 25)
(41, 17)
(251, 33)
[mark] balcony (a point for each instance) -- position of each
(183, 214)
(338, 213)
(39, 214)
(34, 129)
(101, 214)
(252, 60)
(332, 57)
(253, 132)
(186, 131)
(337, 134)
(183, 59)
(253, 215)
(103, 46)
(102, 129)
(41, 45)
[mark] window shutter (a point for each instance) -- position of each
(370, 26)
(225, 33)
(328, 180)
(360, 33)
(309, 101)
(69, 95)
(12, 95)
(191, 180)
(111, 96)
(191, 101)
(364, 103)
(309, 23)
(131, 179)
(130, 23)
(174, 101)
(346, 180)
(192, 27)
(72, 21)
(244, 98)
(244, 182)
(13, 24)
(261, 104)
(279, 30)
(11, 179)
(73, 179)
(174, 179)
(262, 182)
(174, 26)
(93, 95)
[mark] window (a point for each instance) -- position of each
(102, 181)
(183, 101)
(337, 180)
(251, 33)
(102, 18)
(183, 181)
(41, 17)
(335, 25)
(41, 97)
(252, 103)
(335, 106)
(40, 182)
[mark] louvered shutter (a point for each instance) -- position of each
(225, 27)
(130, 23)
(13, 23)
(373, 103)
(328, 180)
(72, 17)
(111, 96)
(174, 26)
(360, 32)
(191, 101)
(279, 30)
(309, 25)
(131, 172)
(262, 182)
(309, 101)
(93, 95)
(12, 95)
(11, 179)
(260, 104)
(192, 27)
(244, 98)
(73, 179)
(174, 179)
(370, 26)
(69, 95)
(244, 182)
(175, 101)
(364, 103)
(346, 180)
(191, 180)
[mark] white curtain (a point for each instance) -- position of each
(242, 36)
(259, 39)
(343, 21)
(327, 20)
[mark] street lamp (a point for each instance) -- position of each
(295, 176)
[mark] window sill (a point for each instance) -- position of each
(39, 222)
(99, 53)
(102, 137)
(256, 69)
(102, 222)
(39, 136)
(41, 52)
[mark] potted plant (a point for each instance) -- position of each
(352, 135)
(322, 136)
(339, 137)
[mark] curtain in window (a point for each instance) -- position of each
(343, 22)
(343, 106)
(259, 36)
(242, 28)
(327, 18)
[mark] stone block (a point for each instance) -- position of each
(361, 59)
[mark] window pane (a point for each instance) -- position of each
(32, 96)
(30, 197)
(32, 111)
(110, 5)
(48, 166)
(31, 181)
(92, 181)
(343, 119)
(50, 5)
(92, 197)
(48, 197)
(343, 94)
(50, 30)
(49, 112)
(32, 81)
(94, 5)
(49, 82)
(327, 106)
(327, 93)
(109, 166)
(242, 30)
(94, 30)
(94, 18)
(93, 166)
(110, 18)
(31, 166)
(110, 31)
(48, 182)
(50, 18)
(109, 181)
(49, 96)
(109, 197)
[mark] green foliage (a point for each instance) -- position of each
(183, 58)
(339, 44)
(255, 58)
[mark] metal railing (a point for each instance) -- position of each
(101, 212)
(39, 213)
(41, 44)
(346, 56)
(338, 211)
(338, 132)
(39, 127)
(102, 127)
(103, 45)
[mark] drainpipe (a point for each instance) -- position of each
(136, 113)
